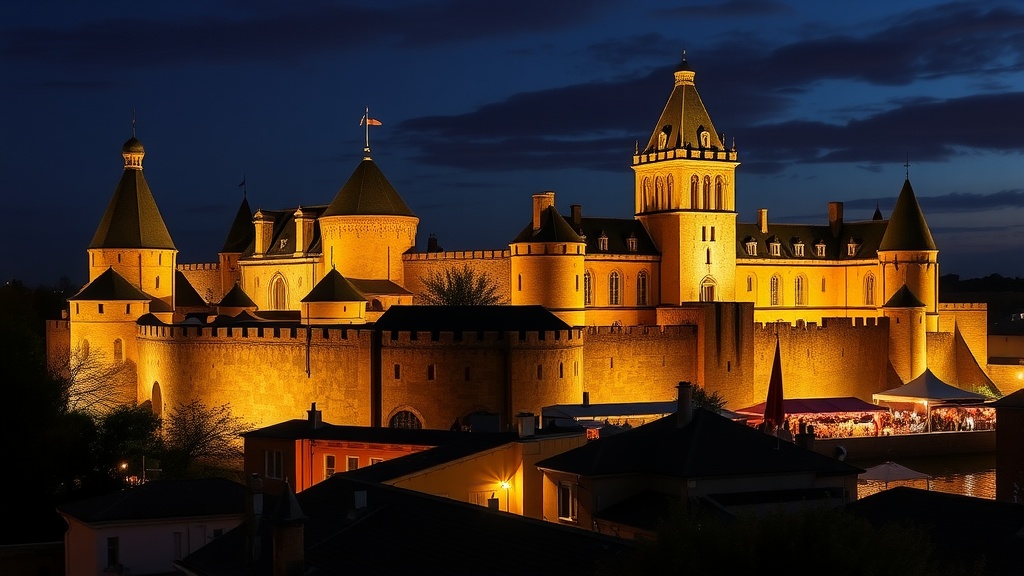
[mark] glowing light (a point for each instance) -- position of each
(124, 465)
(505, 485)
(1020, 375)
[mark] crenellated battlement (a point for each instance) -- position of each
(458, 255)
(963, 306)
(669, 330)
(199, 266)
(826, 324)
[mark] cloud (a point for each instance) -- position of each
(727, 9)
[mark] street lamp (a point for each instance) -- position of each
(505, 486)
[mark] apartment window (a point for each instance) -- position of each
(352, 463)
(774, 290)
(641, 288)
(430, 372)
(329, 468)
(587, 298)
(566, 502)
(398, 371)
(613, 288)
(273, 464)
(113, 551)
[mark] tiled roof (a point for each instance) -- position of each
(334, 287)
(132, 219)
(110, 286)
(469, 319)
(907, 229)
(162, 499)
(368, 192)
(709, 446)
(242, 232)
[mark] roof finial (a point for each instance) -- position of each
(367, 122)
(133, 122)
(245, 192)
(907, 165)
(684, 54)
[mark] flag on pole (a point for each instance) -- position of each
(366, 120)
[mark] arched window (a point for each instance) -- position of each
(157, 400)
(646, 194)
(405, 419)
(659, 185)
(668, 192)
(707, 289)
(869, 290)
(613, 289)
(799, 291)
(776, 299)
(707, 194)
(641, 288)
(694, 198)
(118, 350)
(587, 293)
(278, 293)
(719, 194)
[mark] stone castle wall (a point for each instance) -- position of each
(637, 363)
(495, 263)
(205, 278)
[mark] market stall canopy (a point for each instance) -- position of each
(928, 388)
(793, 406)
(891, 472)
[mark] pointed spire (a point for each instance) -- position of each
(774, 411)
(907, 228)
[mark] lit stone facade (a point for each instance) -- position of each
(679, 291)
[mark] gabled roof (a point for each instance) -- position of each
(709, 446)
(904, 298)
(470, 319)
(185, 294)
(334, 287)
(907, 228)
(400, 531)
(367, 192)
(132, 219)
(236, 298)
(159, 499)
(684, 117)
(242, 232)
(553, 228)
(866, 234)
(111, 286)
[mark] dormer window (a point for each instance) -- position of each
(798, 249)
(851, 247)
(705, 139)
(602, 241)
(819, 249)
(631, 243)
(751, 247)
(284, 243)
(774, 247)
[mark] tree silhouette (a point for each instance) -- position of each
(460, 287)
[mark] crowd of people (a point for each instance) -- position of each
(895, 422)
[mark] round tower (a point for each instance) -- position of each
(548, 263)
(908, 343)
(368, 227)
(685, 195)
(908, 256)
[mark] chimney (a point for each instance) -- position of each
(684, 404)
(541, 202)
(303, 230)
(289, 541)
(526, 424)
(835, 217)
(253, 516)
(762, 220)
(586, 398)
(577, 215)
(314, 417)
(264, 232)
(432, 244)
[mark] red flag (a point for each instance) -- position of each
(369, 121)
(774, 412)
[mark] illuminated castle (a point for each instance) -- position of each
(319, 303)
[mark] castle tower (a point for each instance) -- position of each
(548, 263)
(241, 235)
(334, 300)
(908, 345)
(368, 227)
(132, 238)
(685, 196)
(908, 256)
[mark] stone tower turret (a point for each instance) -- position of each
(241, 235)
(686, 198)
(908, 346)
(908, 256)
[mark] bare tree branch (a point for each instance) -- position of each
(91, 384)
(460, 287)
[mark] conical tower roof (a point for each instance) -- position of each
(334, 288)
(236, 298)
(684, 117)
(904, 298)
(367, 192)
(242, 232)
(907, 229)
(132, 219)
(110, 286)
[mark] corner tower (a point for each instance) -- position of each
(368, 227)
(685, 196)
(132, 238)
(908, 256)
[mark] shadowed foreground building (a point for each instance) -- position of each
(313, 302)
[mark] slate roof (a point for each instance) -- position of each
(334, 287)
(684, 116)
(284, 229)
(159, 499)
(404, 532)
(110, 286)
(709, 446)
(236, 298)
(867, 234)
(907, 229)
(367, 192)
(132, 219)
(469, 319)
(185, 294)
(242, 232)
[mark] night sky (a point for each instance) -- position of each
(483, 104)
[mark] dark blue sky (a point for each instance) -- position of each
(486, 103)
